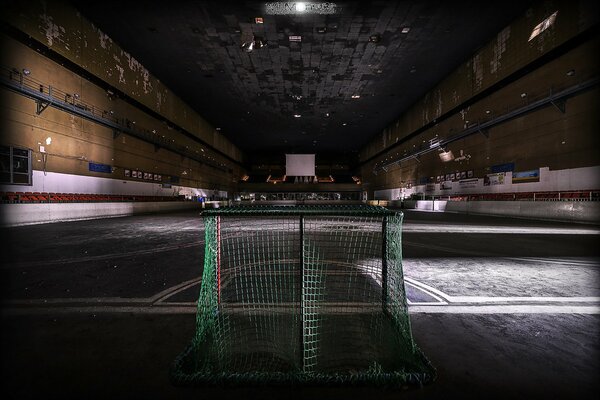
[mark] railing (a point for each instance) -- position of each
(49, 96)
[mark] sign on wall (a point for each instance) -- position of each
(493, 179)
(526, 176)
(94, 167)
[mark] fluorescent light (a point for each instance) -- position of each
(295, 38)
(356, 96)
(542, 26)
(446, 156)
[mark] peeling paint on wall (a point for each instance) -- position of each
(455, 97)
(438, 107)
(477, 72)
(103, 39)
(158, 100)
(498, 48)
(425, 113)
(50, 29)
(121, 73)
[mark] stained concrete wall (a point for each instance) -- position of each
(568, 211)
(546, 137)
(29, 214)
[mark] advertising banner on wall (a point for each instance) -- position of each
(526, 176)
(95, 167)
(446, 185)
(493, 179)
(468, 183)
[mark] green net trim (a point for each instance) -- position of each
(307, 295)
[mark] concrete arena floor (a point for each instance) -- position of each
(503, 308)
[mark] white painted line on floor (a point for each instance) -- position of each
(173, 290)
(506, 309)
(497, 299)
(566, 261)
(426, 303)
(426, 291)
(430, 290)
(533, 299)
(528, 230)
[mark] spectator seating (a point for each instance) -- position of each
(37, 197)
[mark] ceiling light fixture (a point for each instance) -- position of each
(297, 115)
(256, 43)
(446, 156)
(295, 38)
(376, 38)
(406, 29)
(356, 96)
(26, 71)
(300, 7)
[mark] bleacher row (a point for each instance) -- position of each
(37, 197)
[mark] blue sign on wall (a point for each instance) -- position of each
(503, 168)
(100, 168)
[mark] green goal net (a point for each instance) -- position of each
(305, 294)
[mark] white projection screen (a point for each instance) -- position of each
(300, 164)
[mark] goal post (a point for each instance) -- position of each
(304, 294)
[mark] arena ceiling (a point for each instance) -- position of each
(328, 77)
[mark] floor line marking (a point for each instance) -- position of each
(579, 263)
(429, 289)
(439, 299)
(173, 290)
(533, 299)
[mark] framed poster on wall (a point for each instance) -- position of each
(127, 173)
(134, 174)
